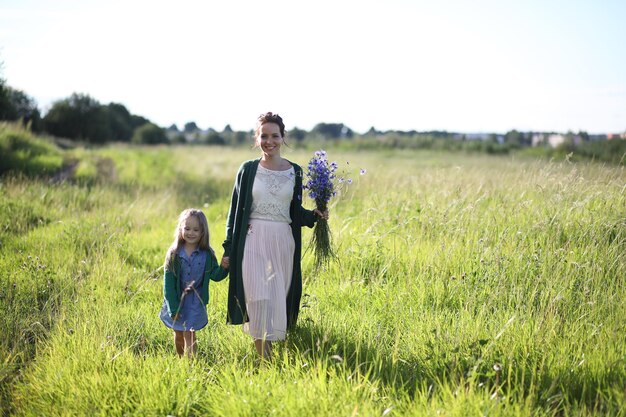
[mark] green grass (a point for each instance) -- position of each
(464, 285)
(26, 154)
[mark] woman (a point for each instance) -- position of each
(263, 240)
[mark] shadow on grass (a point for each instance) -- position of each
(321, 344)
(472, 368)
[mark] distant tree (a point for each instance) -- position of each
(227, 134)
(79, 117)
(4, 96)
(190, 127)
(372, 132)
(178, 138)
(570, 139)
(138, 121)
(16, 105)
(440, 134)
(120, 122)
(583, 135)
(174, 135)
(149, 134)
(82, 117)
(214, 138)
(21, 107)
(240, 138)
(514, 137)
(333, 130)
(297, 134)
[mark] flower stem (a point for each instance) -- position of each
(322, 240)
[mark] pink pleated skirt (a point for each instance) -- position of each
(267, 267)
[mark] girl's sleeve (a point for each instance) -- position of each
(169, 292)
(215, 272)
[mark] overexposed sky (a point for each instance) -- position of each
(456, 65)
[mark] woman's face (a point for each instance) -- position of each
(269, 139)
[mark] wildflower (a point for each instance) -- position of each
(322, 185)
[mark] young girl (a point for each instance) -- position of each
(189, 265)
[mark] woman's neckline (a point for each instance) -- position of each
(277, 170)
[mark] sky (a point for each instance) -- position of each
(455, 65)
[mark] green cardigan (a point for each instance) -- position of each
(171, 282)
(236, 232)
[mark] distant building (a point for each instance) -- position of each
(555, 139)
(611, 136)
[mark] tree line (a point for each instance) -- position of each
(82, 118)
(79, 117)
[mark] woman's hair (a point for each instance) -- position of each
(178, 234)
(270, 117)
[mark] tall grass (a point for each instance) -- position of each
(463, 285)
(23, 152)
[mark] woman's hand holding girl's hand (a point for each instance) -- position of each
(225, 262)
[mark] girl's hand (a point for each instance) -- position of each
(320, 214)
(225, 262)
(189, 287)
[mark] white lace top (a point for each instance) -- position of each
(272, 192)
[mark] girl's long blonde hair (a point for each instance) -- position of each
(178, 235)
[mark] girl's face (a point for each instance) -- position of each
(192, 232)
(269, 139)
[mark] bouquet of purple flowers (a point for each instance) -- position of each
(322, 185)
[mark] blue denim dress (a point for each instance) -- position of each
(192, 315)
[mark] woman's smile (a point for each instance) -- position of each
(270, 139)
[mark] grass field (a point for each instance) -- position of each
(464, 285)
